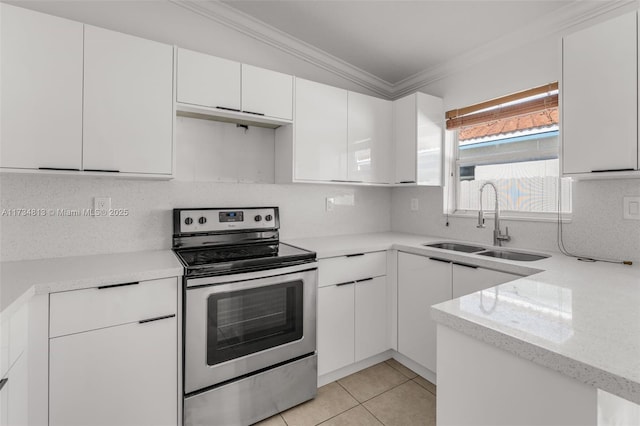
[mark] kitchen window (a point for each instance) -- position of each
(512, 141)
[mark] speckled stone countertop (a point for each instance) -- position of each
(19, 280)
(579, 319)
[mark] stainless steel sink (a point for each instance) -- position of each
(456, 247)
(513, 255)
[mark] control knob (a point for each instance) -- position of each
(188, 221)
(268, 218)
(202, 220)
(258, 218)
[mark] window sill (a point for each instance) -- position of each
(541, 217)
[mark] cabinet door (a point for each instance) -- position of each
(16, 411)
(370, 134)
(370, 318)
(467, 280)
(41, 90)
(599, 97)
(128, 108)
(335, 327)
(207, 81)
(405, 139)
(430, 117)
(320, 132)
(422, 282)
(124, 375)
(267, 92)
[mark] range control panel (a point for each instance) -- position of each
(216, 220)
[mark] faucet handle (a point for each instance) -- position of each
(505, 236)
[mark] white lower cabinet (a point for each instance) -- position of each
(336, 327)
(14, 396)
(469, 279)
(422, 282)
(352, 322)
(352, 309)
(123, 375)
(126, 371)
(370, 317)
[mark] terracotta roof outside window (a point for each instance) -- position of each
(536, 120)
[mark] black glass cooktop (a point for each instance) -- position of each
(221, 260)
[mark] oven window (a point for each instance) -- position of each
(247, 321)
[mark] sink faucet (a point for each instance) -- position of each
(498, 236)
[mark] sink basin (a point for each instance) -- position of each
(513, 255)
(456, 247)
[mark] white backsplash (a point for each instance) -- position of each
(149, 224)
(597, 227)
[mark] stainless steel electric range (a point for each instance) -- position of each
(249, 316)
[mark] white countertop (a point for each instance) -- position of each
(20, 280)
(580, 319)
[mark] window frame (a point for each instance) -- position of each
(453, 179)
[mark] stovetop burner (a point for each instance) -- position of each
(212, 242)
(199, 257)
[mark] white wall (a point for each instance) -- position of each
(597, 227)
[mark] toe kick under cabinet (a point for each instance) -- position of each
(113, 355)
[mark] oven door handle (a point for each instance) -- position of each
(308, 277)
(249, 276)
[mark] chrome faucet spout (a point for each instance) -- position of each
(498, 236)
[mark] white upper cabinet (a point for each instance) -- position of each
(128, 108)
(370, 134)
(41, 90)
(418, 136)
(599, 98)
(405, 128)
(266, 92)
(208, 81)
(320, 132)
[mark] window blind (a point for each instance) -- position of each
(505, 107)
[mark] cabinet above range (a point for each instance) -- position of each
(219, 89)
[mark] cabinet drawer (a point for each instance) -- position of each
(93, 308)
(352, 267)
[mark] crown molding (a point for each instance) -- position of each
(252, 27)
(559, 21)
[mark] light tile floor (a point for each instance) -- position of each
(386, 394)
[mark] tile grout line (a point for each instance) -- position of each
(375, 396)
(341, 412)
(374, 416)
(283, 420)
(398, 370)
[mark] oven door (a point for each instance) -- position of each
(238, 324)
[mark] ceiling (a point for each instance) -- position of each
(395, 40)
